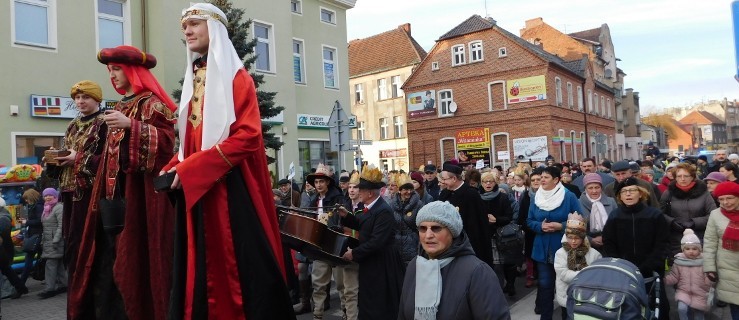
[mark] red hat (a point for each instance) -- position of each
(726, 188)
(127, 55)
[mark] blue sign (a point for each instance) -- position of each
(735, 18)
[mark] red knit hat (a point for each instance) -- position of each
(726, 188)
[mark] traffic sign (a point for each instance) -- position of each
(339, 129)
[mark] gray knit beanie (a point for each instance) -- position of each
(441, 212)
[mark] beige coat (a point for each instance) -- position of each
(718, 259)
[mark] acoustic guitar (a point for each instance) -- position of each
(312, 238)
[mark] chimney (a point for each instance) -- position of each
(406, 27)
(534, 22)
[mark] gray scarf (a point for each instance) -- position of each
(428, 286)
(487, 196)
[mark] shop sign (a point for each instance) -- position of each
(393, 153)
(527, 89)
(473, 145)
(58, 107)
(534, 148)
(313, 121)
(421, 104)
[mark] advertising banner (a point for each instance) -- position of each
(534, 148)
(527, 89)
(313, 121)
(421, 104)
(59, 107)
(473, 145)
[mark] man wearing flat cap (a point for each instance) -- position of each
(621, 171)
(380, 266)
(471, 207)
(291, 197)
(84, 139)
(108, 279)
(228, 259)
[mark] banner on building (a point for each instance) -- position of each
(473, 145)
(393, 153)
(534, 148)
(313, 121)
(421, 104)
(527, 89)
(58, 107)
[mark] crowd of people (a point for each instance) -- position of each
(444, 242)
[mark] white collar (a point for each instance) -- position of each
(369, 206)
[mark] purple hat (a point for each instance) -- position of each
(50, 192)
(715, 176)
(590, 178)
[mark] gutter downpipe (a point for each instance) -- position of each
(144, 38)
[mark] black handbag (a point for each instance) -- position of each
(113, 211)
(30, 244)
(510, 237)
(38, 272)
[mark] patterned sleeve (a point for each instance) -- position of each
(87, 160)
(151, 139)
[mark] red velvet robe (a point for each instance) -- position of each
(143, 250)
(202, 176)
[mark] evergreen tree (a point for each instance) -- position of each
(238, 33)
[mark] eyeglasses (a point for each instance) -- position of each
(624, 191)
(434, 229)
(445, 178)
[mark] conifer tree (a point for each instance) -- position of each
(238, 31)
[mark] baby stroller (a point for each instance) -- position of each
(612, 288)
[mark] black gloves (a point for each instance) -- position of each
(676, 226)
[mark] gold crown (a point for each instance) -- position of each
(200, 13)
(371, 174)
(575, 221)
(402, 179)
(354, 179)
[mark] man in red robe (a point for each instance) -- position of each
(122, 272)
(228, 261)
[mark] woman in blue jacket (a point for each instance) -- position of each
(547, 218)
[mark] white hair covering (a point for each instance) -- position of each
(222, 65)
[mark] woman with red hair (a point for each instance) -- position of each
(125, 254)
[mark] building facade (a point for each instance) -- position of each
(483, 93)
(50, 45)
(709, 130)
(378, 66)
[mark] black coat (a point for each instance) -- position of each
(474, 219)
(523, 215)
(380, 267)
(639, 234)
(34, 218)
(432, 188)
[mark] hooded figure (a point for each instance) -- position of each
(228, 259)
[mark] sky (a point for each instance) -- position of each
(675, 53)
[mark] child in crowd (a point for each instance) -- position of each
(574, 255)
(692, 284)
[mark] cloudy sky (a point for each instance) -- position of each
(675, 53)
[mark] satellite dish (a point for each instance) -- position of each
(453, 107)
(609, 74)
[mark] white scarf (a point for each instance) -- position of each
(222, 65)
(428, 287)
(598, 214)
(549, 200)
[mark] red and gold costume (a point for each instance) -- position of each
(228, 253)
(126, 276)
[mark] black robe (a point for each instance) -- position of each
(381, 270)
(474, 219)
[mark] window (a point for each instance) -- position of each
(358, 93)
(579, 98)
(573, 145)
(265, 49)
(445, 99)
(329, 68)
(570, 98)
(603, 105)
(395, 87)
(609, 108)
(502, 52)
(590, 101)
(312, 152)
(584, 144)
(298, 61)
(434, 66)
(595, 102)
(328, 16)
(296, 6)
(562, 150)
(476, 51)
(110, 23)
(458, 55)
(361, 129)
(383, 129)
(381, 89)
(30, 146)
(558, 89)
(34, 22)
(398, 125)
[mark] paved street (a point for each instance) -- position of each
(31, 307)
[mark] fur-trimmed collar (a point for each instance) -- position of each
(697, 191)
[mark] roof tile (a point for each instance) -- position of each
(389, 50)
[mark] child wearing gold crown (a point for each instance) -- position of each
(574, 255)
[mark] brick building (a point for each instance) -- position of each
(712, 130)
(485, 90)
